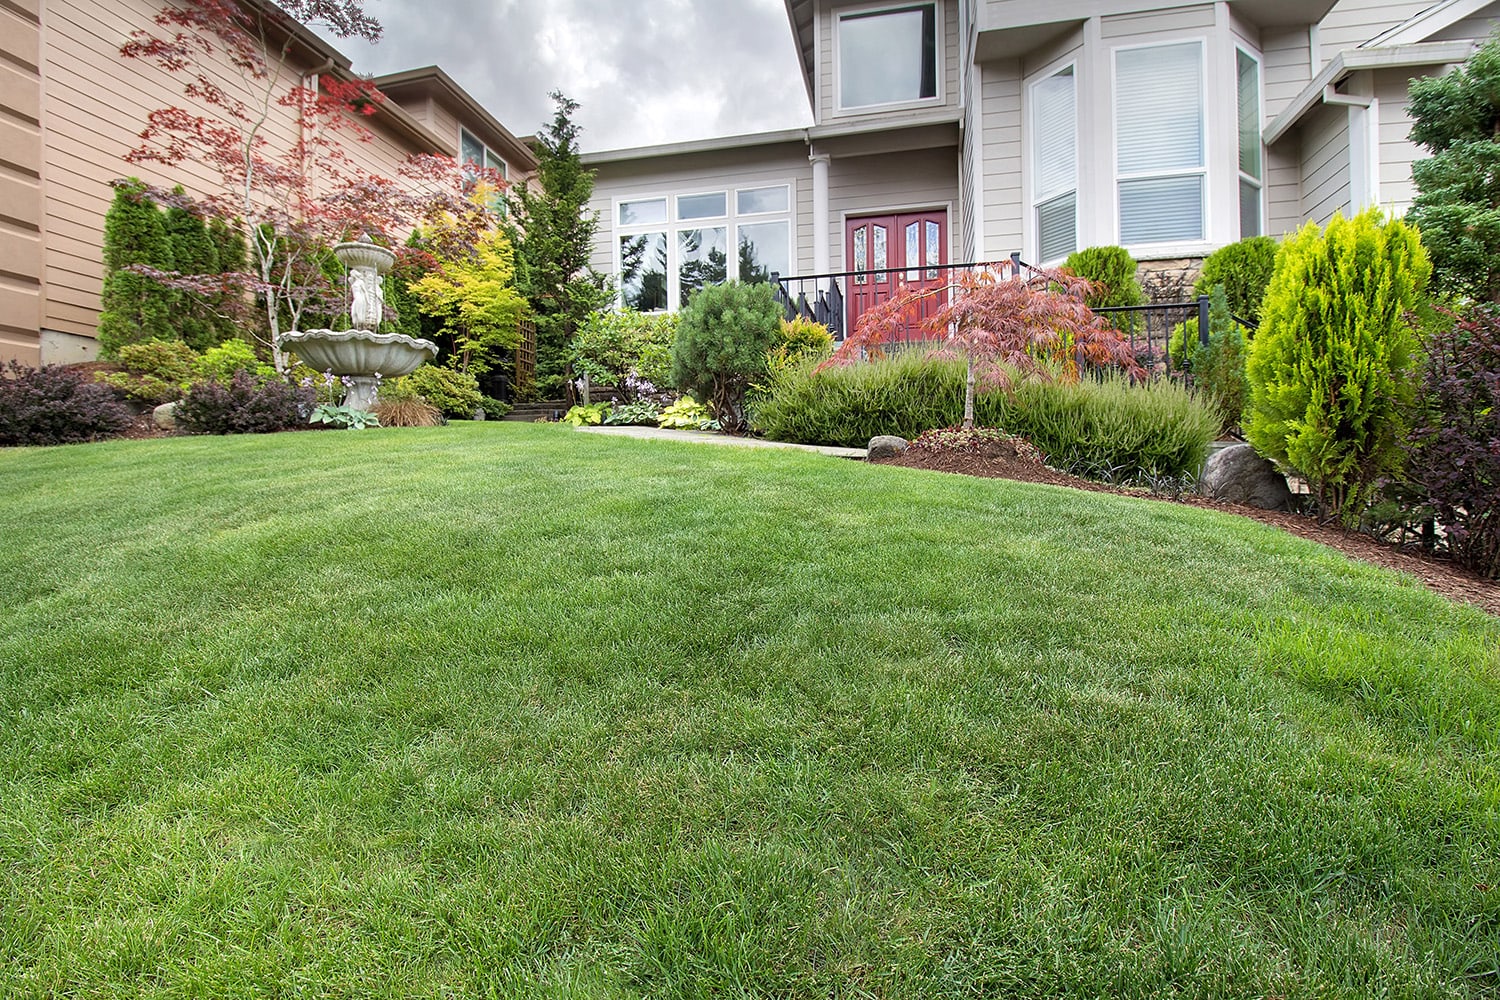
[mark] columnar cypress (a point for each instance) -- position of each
(1331, 370)
(134, 307)
(195, 253)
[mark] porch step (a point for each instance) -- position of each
(549, 409)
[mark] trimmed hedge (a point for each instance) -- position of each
(1093, 428)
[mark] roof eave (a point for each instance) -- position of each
(1354, 60)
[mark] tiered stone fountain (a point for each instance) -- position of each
(360, 354)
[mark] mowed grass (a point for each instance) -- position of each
(512, 711)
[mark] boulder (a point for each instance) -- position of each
(886, 446)
(1238, 475)
(165, 416)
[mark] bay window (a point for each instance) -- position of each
(1160, 148)
(1054, 154)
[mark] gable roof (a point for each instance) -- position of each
(434, 80)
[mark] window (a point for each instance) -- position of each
(672, 246)
(476, 154)
(1251, 177)
(888, 56)
(1159, 143)
(1054, 155)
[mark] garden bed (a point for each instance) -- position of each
(999, 460)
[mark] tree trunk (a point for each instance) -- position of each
(969, 395)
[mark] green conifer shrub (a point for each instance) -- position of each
(723, 336)
(1218, 369)
(1244, 269)
(193, 252)
(1456, 117)
(1331, 370)
(134, 307)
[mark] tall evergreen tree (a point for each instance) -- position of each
(233, 254)
(553, 231)
(1457, 118)
(134, 307)
(195, 253)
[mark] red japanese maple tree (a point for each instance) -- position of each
(294, 191)
(1000, 324)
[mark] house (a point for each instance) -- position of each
(71, 108)
(970, 130)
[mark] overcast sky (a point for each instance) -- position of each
(643, 71)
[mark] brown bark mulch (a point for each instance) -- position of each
(998, 460)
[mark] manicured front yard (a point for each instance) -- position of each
(507, 710)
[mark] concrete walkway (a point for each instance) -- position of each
(707, 437)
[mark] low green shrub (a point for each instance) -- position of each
(220, 363)
(52, 405)
(454, 392)
(1244, 269)
(800, 339)
(641, 413)
(687, 414)
(247, 405)
(586, 416)
(493, 408)
(1107, 428)
(156, 371)
(723, 337)
(626, 350)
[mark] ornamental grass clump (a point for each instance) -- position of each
(1331, 372)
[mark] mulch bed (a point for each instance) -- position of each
(1000, 460)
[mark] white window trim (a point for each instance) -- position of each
(940, 35)
(1162, 249)
(504, 166)
(1260, 83)
(1031, 236)
(672, 227)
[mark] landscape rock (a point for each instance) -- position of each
(1238, 475)
(165, 416)
(886, 446)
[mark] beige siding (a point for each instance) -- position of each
(969, 160)
(702, 172)
(1353, 22)
(20, 181)
(1145, 26)
(1397, 152)
(1003, 193)
(871, 185)
(1287, 60)
(1284, 187)
(1325, 164)
(827, 84)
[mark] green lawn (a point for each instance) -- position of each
(508, 710)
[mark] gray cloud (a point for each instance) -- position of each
(642, 72)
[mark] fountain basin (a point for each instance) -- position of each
(360, 352)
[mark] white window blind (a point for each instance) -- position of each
(1159, 139)
(1054, 142)
(1251, 179)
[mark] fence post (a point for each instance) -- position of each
(1203, 320)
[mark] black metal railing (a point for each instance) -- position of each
(838, 299)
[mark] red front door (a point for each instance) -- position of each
(889, 251)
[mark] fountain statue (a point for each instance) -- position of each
(361, 355)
